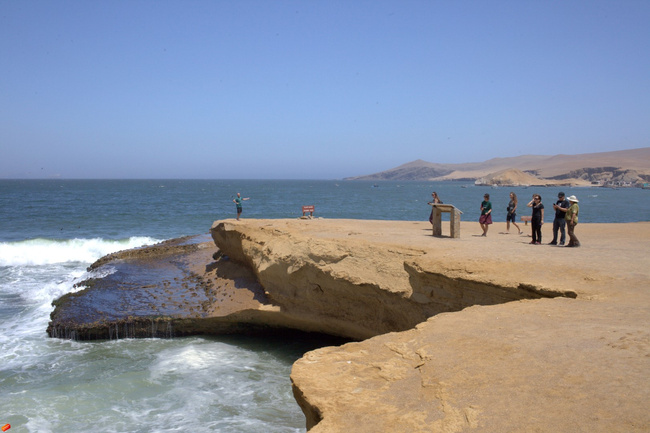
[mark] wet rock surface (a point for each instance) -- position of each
(169, 289)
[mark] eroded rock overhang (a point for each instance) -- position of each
(359, 285)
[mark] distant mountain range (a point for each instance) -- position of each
(618, 168)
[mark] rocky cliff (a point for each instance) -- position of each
(518, 337)
(560, 364)
(487, 334)
(350, 286)
(268, 275)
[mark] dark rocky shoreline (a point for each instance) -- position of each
(158, 291)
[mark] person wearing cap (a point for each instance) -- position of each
(571, 218)
(559, 223)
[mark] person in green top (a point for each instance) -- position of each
(237, 202)
(486, 214)
(571, 218)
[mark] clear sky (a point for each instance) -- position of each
(312, 89)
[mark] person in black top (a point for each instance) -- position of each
(537, 219)
(559, 223)
(512, 212)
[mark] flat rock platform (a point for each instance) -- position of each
(544, 365)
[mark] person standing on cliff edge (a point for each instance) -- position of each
(538, 218)
(571, 217)
(559, 222)
(434, 200)
(512, 212)
(486, 214)
(237, 202)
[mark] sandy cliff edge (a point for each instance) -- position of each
(551, 364)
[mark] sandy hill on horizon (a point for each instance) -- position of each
(512, 176)
(617, 168)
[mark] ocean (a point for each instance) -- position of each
(52, 230)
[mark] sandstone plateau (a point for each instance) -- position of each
(486, 334)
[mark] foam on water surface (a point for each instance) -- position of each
(36, 252)
(52, 385)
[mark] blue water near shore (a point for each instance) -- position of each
(51, 230)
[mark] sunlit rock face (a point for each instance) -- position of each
(498, 335)
(353, 286)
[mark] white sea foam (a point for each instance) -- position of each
(189, 384)
(35, 272)
(46, 251)
(245, 389)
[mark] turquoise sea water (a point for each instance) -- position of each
(51, 230)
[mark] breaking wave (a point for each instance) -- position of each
(34, 252)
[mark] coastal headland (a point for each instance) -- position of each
(478, 333)
(622, 168)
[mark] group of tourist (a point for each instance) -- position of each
(565, 220)
(566, 216)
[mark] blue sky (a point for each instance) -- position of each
(314, 89)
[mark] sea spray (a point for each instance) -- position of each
(36, 252)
